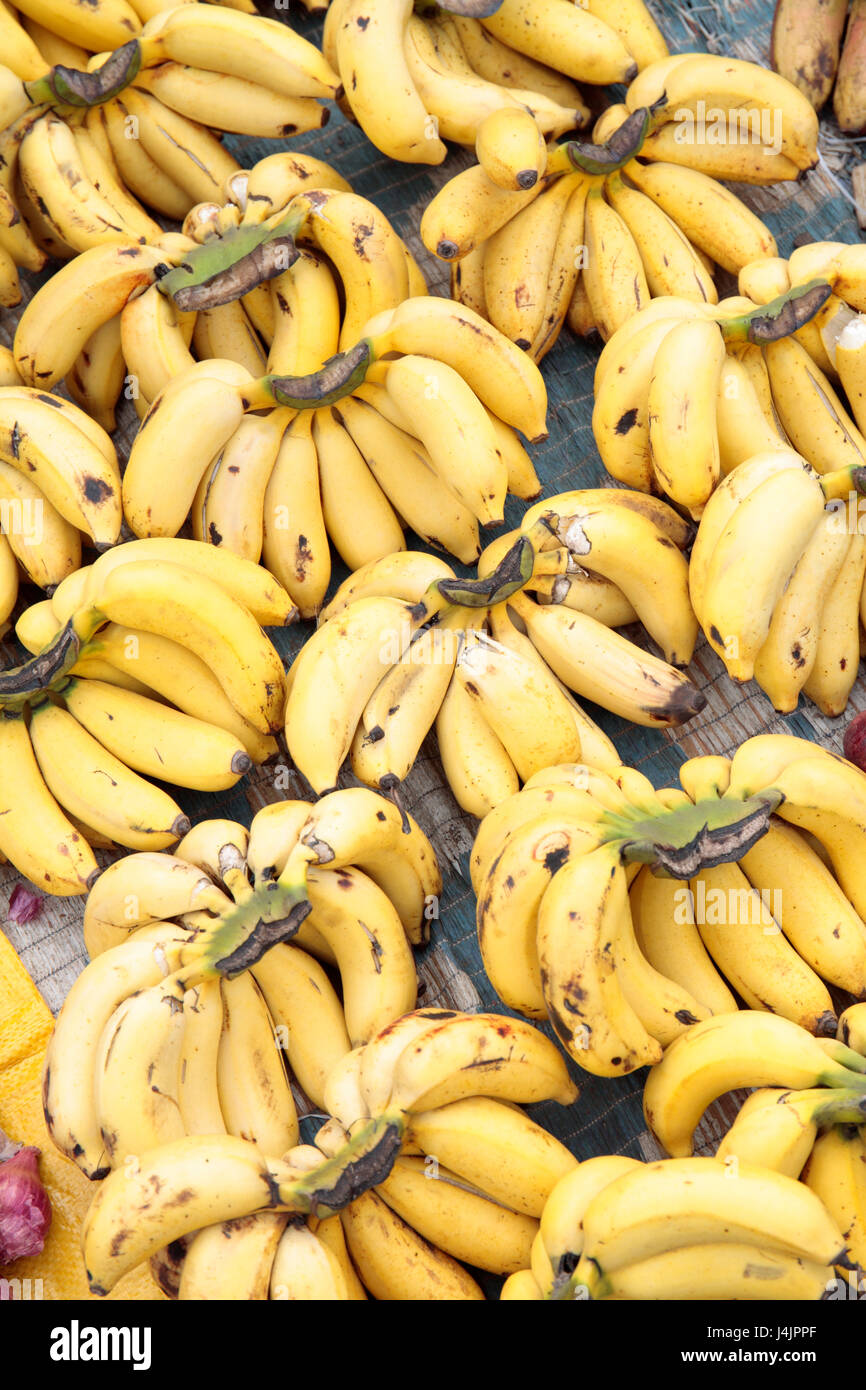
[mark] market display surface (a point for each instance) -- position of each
(433, 593)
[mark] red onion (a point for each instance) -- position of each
(24, 904)
(25, 1211)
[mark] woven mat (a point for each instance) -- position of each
(607, 1118)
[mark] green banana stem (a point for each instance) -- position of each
(64, 86)
(227, 267)
(248, 929)
(582, 156)
(514, 572)
(362, 1163)
(338, 377)
(682, 841)
(47, 671)
(842, 482)
(839, 1107)
(767, 323)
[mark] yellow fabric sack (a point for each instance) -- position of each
(25, 1027)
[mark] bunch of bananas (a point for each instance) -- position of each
(86, 141)
(59, 483)
(193, 993)
(574, 929)
(151, 661)
(680, 1228)
(605, 226)
(493, 661)
(807, 47)
(420, 1067)
(427, 436)
(807, 371)
(414, 81)
(804, 1122)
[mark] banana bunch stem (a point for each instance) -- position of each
(767, 323)
(64, 87)
(228, 266)
(582, 156)
(683, 841)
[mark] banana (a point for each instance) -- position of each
(715, 220)
(302, 1001)
(519, 261)
(736, 636)
(105, 26)
(136, 1088)
(468, 210)
(811, 412)
(306, 317)
(735, 1049)
(98, 374)
(362, 927)
(248, 584)
(509, 901)
(227, 332)
(232, 1260)
(586, 1005)
(243, 45)
(305, 1268)
(613, 275)
(523, 706)
(654, 1209)
(395, 1263)
(663, 918)
(477, 767)
(462, 1221)
(787, 658)
(670, 262)
(35, 835)
(21, 53)
(8, 581)
(511, 149)
(560, 1238)
(496, 62)
(97, 788)
(156, 740)
(367, 528)
(569, 39)
(406, 575)
(636, 27)
(852, 1028)
(141, 174)
(834, 672)
(728, 158)
(404, 471)
(402, 708)
(519, 1063)
(805, 46)
(834, 1172)
(847, 96)
(69, 1095)
(744, 428)
(228, 508)
(100, 167)
(52, 174)
(458, 102)
(160, 482)
(188, 153)
(682, 410)
(777, 1129)
(739, 930)
(360, 828)
(578, 649)
(254, 1092)
(720, 1272)
(609, 536)
(153, 343)
(731, 85)
(371, 60)
(140, 890)
(82, 296)
(197, 1091)
(620, 417)
(192, 610)
(226, 102)
(45, 545)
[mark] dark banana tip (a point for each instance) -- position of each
(826, 1025)
(181, 826)
(527, 178)
(447, 250)
(241, 763)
